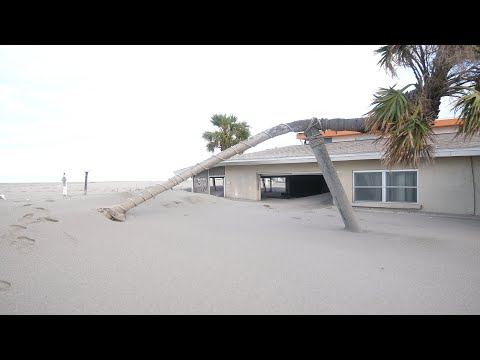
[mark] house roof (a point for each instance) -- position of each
(445, 146)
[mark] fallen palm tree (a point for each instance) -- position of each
(310, 127)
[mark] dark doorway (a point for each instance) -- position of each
(217, 186)
(272, 187)
(292, 186)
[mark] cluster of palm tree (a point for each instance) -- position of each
(404, 117)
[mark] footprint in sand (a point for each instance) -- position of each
(23, 242)
(43, 219)
(28, 205)
(5, 285)
(18, 226)
(40, 208)
(26, 239)
(26, 219)
(12, 233)
(50, 200)
(71, 237)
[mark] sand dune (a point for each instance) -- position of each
(186, 253)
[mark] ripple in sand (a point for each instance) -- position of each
(49, 200)
(40, 208)
(28, 205)
(50, 219)
(5, 285)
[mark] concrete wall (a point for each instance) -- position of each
(476, 172)
(243, 182)
(445, 187)
(452, 183)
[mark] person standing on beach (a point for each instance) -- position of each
(64, 181)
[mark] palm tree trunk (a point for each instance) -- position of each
(330, 175)
(117, 212)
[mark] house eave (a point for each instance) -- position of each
(343, 157)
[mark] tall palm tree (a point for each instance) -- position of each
(229, 133)
(405, 116)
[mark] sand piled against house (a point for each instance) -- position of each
(185, 253)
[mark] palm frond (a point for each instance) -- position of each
(230, 132)
(390, 107)
(212, 139)
(410, 142)
(401, 122)
(392, 55)
(469, 107)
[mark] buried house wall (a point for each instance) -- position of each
(475, 163)
(444, 187)
(447, 186)
(243, 181)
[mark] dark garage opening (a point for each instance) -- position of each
(217, 185)
(292, 186)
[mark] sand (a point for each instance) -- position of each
(186, 253)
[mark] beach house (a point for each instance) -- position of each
(450, 185)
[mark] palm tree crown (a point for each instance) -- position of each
(229, 133)
(405, 118)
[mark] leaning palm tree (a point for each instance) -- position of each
(405, 116)
(311, 127)
(229, 133)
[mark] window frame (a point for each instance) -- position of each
(384, 186)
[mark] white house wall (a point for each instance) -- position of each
(242, 182)
(476, 171)
(445, 187)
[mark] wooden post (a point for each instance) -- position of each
(317, 144)
(85, 188)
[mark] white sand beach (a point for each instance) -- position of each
(186, 253)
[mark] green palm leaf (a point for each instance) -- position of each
(408, 135)
(230, 132)
(469, 107)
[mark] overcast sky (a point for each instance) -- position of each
(138, 112)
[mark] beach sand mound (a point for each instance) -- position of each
(185, 253)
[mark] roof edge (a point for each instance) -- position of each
(344, 157)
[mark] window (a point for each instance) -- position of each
(385, 186)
